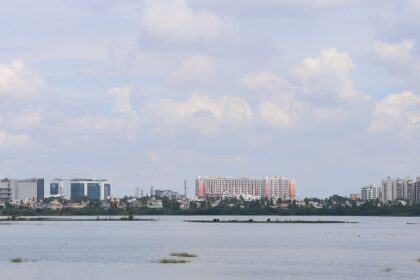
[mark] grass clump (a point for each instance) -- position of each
(183, 255)
(387, 269)
(16, 260)
(418, 260)
(166, 261)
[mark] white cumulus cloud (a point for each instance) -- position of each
(196, 68)
(17, 81)
(399, 112)
(122, 99)
(174, 20)
(202, 112)
(326, 78)
(281, 110)
(13, 140)
(395, 52)
(128, 122)
(24, 119)
(265, 81)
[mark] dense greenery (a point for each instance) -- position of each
(366, 209)
(332, 206)
(16, 260)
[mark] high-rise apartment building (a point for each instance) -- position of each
(388, 189)
(269, 187)
(409, 189)
(417, 190)
(7, 189)
(292, 188)
(370, 192)
(399, 189)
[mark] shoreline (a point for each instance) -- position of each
(251, 221)
(63, 219)
(157, 214)
(217, 221)
(283, 219)
(408, 211)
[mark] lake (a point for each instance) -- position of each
(373, 248)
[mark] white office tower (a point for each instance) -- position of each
(77, 189)
(16, 189)
(57, 187)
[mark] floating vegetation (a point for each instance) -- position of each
(71, 219)
(418, 260)
(183, 255)
(16, 260)
(178, 255)
(170, 261)
(269, 221)
(387, 269)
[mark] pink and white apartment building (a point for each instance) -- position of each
(266, 187)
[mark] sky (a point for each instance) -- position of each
(154, 92)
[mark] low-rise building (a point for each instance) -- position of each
(167, 194)
(355, 196)
(154, 203)
(55, 205)
(113, 200)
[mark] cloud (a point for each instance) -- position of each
(17, 81)
(123, 117)
(280, 115)
(314, 4)
(201, 112)
(24, 119)
(12, 140)
(320, 91)
(131, 59)
(325, 79)
(174, 20)
(126, 122)
(397, 52)
(196, 68)
(279, 108)
(122, 99)
(16, 121)
(398, 112)
(265, 81)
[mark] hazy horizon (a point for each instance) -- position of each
(154, 92)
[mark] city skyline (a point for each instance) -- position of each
(249, 187)
(154, 92)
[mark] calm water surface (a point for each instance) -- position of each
(126, 250)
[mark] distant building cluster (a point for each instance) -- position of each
(271, 187)
(393, 189)
(70, 189)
